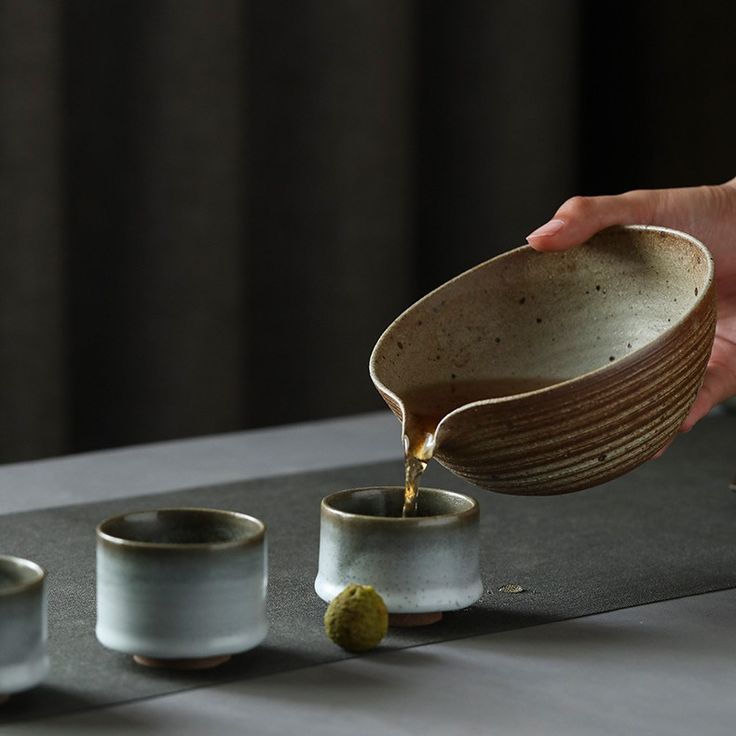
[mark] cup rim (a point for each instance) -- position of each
(38, 572)
(119, 541)
(467, 513)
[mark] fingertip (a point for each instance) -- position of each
(579, 218)
(694, 416)
(546, 237)
(701, 406)
(546, 244)
(549, 228)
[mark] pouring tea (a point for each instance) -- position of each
(424, 409)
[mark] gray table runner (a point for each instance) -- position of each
(665, 530)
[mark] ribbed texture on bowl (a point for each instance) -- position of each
(584, 431)
(567, 438)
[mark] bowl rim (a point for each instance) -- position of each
(630, 358)
(121, 542)
(473, 509)
(37, 579)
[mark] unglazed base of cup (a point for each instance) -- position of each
(192, 663)
(405, 620)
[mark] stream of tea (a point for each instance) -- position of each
(426, 406)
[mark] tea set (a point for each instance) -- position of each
(626, 323)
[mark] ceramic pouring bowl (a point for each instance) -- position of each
(181, 587)
(622, 327)
(426, 563)
(24, 660)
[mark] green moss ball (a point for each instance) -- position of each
(357, 618)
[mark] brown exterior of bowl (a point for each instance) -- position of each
(624, 324)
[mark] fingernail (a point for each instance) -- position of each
(549, 228)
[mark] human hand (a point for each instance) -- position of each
(709, 214)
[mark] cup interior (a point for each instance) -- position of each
(16, 574)
(182, 527)
(387, 502)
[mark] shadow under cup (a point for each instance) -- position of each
(182, 587)
(421, 564)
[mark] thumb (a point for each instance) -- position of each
(716, 388)
(581, 217)
(718, 385)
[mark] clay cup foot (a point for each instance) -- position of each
(405, 620)
(4, 698)
(193, 663)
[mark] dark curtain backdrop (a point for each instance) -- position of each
(210, 209)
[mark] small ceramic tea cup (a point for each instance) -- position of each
(423, 564)
(24, 660)
(181, 587)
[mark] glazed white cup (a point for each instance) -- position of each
(419, 564)
(181, 583)
(24, 661)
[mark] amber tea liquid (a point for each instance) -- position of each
(424, 408)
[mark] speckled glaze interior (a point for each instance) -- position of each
(623, 326)
(425, 563)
